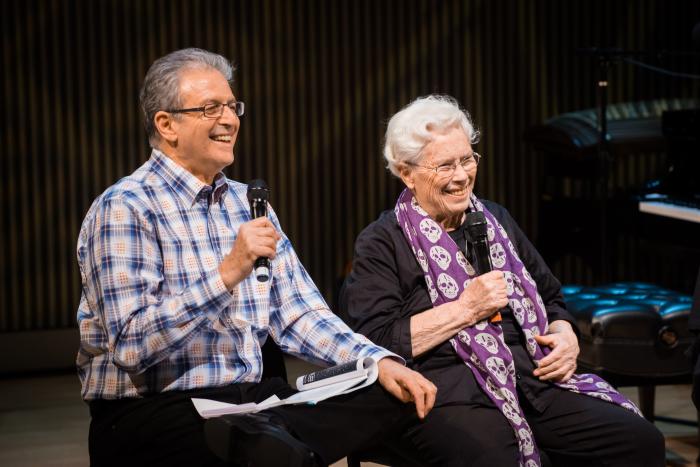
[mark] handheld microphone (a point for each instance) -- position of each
(477, 228)
(258, 195)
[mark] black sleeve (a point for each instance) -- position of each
(548, 286)
(384, 288)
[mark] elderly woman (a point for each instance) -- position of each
(500, 346)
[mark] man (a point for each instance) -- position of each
(170, 310)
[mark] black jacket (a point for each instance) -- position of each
(386, 287)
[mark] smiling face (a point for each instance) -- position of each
(444, 198)
(202, 145)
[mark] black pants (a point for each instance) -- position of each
(166, 430)
(575, 430)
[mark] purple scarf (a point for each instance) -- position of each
(447, 274)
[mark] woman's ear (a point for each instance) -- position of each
(165, 126)
(407, 175)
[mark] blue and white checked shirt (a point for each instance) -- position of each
(155, 315)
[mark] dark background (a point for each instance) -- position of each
(319, 79)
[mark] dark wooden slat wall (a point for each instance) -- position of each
(320, 79)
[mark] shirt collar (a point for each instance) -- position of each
(186, 185)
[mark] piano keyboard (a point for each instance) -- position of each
(669, 208)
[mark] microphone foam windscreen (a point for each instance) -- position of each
(257, 189)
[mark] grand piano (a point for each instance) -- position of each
(630, 214)
(677, 194)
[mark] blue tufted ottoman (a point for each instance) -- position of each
(633, 334)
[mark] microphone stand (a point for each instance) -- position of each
(604, 162)
(606, 56)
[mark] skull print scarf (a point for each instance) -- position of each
(482, 348)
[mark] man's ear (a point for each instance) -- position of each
(164, 123)
(406, 175)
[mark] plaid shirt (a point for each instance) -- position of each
(155, 315)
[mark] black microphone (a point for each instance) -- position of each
(478, 228)
(258, 195)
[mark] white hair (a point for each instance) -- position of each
(414, 126)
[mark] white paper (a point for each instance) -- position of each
(209, 408)
(313, 396)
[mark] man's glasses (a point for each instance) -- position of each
(448, 170)
(214, 110)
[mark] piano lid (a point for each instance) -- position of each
(632, 127)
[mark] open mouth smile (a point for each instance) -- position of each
(456, 192)
(222, 138)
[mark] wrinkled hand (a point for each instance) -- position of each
(407, 385)
(560, 364)
(484, 296)
(256, 238)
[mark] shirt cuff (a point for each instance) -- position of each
(559, 314)
(378, 353)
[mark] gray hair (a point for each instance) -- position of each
(161, 87)
(412, 128)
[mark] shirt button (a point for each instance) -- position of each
(518, 376)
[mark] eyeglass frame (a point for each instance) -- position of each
(238, 106)
(475, 156)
